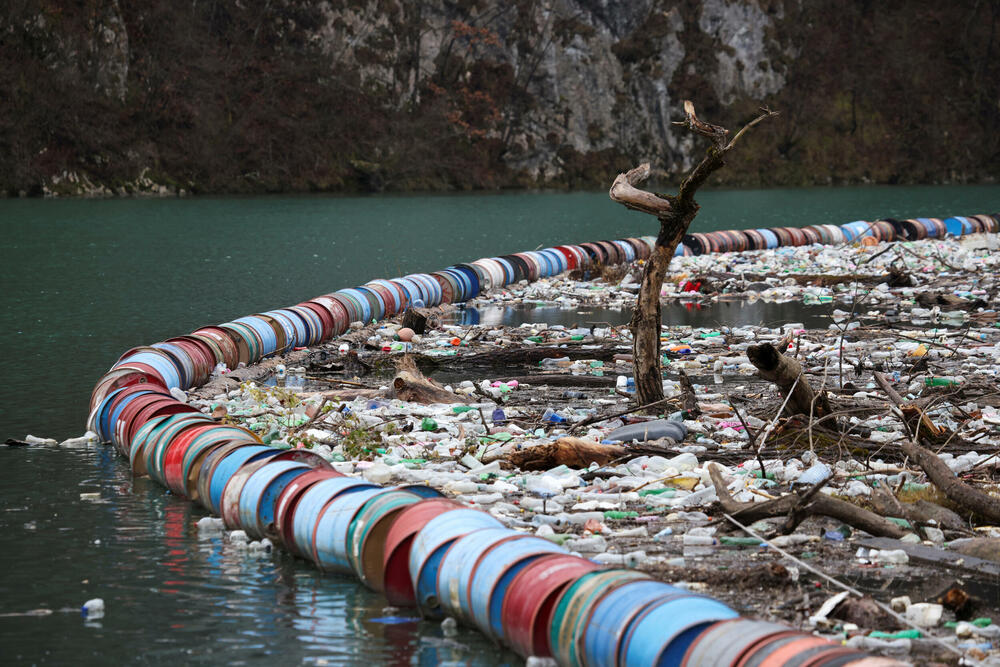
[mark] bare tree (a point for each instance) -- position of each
(675, 213)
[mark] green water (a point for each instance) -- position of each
(85, 280)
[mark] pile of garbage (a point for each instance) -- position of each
(879, 477)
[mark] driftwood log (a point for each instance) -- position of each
(797, 507)
(937, 471)
(571, 452)
(411, 385)
(786, 373)
(675, 214)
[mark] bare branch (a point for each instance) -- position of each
(716, 133)
(624, 192)
(764, 113)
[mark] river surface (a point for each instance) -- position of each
(84, 280)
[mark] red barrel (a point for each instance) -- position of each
(396, 559)
(527, 608)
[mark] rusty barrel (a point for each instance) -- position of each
(457, 566)
(284, 507)
(398, 543)
(663, 631)
(429, 546)
(527, 608)
(366, 536)
(492, 574)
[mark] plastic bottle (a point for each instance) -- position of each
(552, 416)
(499, 417)
(428, 424)
(939, 382)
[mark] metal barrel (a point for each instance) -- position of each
(954, 226)
(662, 633)
(368, 531)
(224, 341)
(156, 447)
(140, 438)
(492, 574)
(725, 642)
(526, 613)
(261, 492)
(225, 468)
(429, 546)
(399, 542)
(206, 442)
(330, 537)
(173, 463)
(229, 505)
(284, 507)
(599, 631)
(311, 506)
(790, 648)
(457, 566)
(573, 600)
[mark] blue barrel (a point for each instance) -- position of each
(472, 277)
(362, 301)
(429, 547)
(330, 536)
(769, 238)
(264, 330)
(310, 507)
(159, 361)
(464, 285)
(457, 566)
(228, 466)
(663, 632)
(557, 258)
(289, 325)
(181, 359)
(508, 270)
(261, 492)
(930, 227)
(409, 290)
(954, 226)
(430, 287)
(314, 325)
(492, 577)
(599, 634)
(139, 441)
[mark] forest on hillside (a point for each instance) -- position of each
(230, 96)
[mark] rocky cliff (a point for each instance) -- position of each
(110, 97)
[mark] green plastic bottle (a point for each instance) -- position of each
(428, 424)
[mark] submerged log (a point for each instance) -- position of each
(786, 373)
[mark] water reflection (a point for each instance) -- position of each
(170, 595)
(692, 314)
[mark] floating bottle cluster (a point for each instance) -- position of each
(423, 550)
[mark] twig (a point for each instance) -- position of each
(753, 440)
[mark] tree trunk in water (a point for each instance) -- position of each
(646, 318)
(675, 213)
